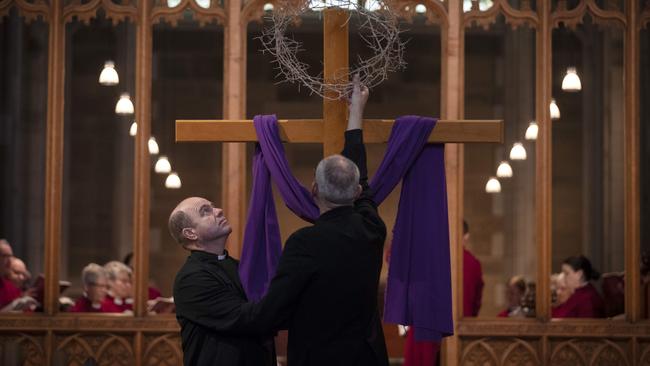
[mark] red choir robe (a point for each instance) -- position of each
(117, 305)
(8, 292)
(584, 303)
(154, 293)
(84, 305)
(418, 353)
(472, 284)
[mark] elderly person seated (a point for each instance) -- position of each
(120, 295)
(18, 273)
(95, 286)
(8, 291)
(514, 295)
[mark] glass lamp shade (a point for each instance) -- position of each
(124, 105)
(493, 185)
(531, 131)
(162, 165)
(517, 152)
(420, 9)
(173, 181)
(173, 3)
(205, 4)
(153, 146)
(571, 81)
(555, 110)
(268, 7)
(109, 76)
(504, 170)
(134, 128)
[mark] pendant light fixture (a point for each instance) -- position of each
(153, 146)
(532, 130)
(517, 152)
(504, 170)
(162, 165)
(173, 181)
(571, 81)
(555, 110)
(493, 185)
(124, 106)
(109, 76)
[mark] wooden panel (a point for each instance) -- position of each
(54, 156)
(104, 349)
(571, 328)
(163, 349)
(233, 157)
(632, 166)
(501, 351)
(141, 168)
(23, 348)
(310, 131)
(335, 66)
(452, 95)
(543, 170)
(68, 322)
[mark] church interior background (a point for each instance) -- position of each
(78, 187)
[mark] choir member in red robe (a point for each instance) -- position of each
(153, 291)
(585, 302)
(95, 286)
(418, 353)
(119, 295)
(8, 291)
(514, 294)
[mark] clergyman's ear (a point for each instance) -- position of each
(314, 189)
(358, 192)
(189, 233)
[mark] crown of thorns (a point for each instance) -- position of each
(378, 29)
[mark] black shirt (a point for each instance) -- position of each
(208, 294)
(325, 287)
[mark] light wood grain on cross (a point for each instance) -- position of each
(329, 130)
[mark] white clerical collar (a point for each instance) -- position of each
(96, 306)
(222, 256)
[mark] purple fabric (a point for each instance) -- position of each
(262, 246)
(418, 289)
(419, 278)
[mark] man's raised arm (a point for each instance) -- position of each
(354, 148)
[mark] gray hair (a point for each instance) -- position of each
(337, 178)
(91, 273)
(113, 268)
(178, 221)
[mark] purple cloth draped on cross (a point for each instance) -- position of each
(419, 278)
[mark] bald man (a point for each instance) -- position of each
(18, 273)
(207, 291)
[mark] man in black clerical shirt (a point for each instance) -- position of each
(325, 288)
(207, 291)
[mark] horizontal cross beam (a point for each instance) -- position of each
(311, 131)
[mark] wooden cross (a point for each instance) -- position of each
(329, 130)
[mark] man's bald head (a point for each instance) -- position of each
(18, 273)
(179, 220)
(337, 179)
(196, 219)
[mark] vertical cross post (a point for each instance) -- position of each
(335, 70)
